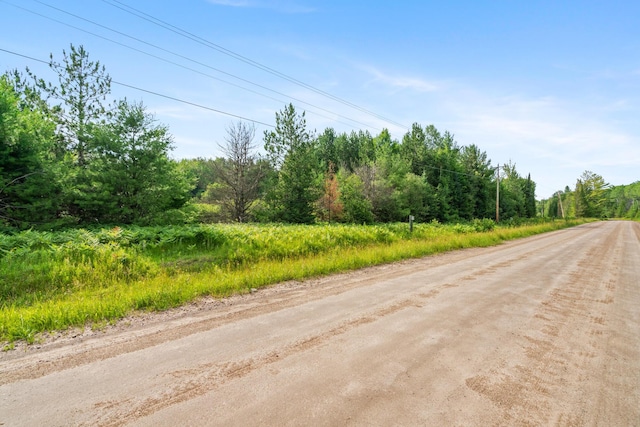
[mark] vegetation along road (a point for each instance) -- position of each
(538, 331)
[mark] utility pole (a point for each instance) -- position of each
(561, 208)
(498, 195)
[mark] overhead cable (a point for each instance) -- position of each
(184, 33)
(188, 59)
(154, 93)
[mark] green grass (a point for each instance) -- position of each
(53, 281)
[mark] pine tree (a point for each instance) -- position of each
(292, 152)
(29, 190)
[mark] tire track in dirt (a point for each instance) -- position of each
(199, 380)
(561, 349)
(533, 349)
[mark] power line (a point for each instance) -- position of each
(190, 103)
(204, 107)
(24, 56)
(456, 172)
(189, 59)
(185, 58)
(177, 30)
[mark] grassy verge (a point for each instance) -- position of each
(53, 282)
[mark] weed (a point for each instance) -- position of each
(53, 281)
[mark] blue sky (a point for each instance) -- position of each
(553, 86)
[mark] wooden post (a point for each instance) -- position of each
(561, 207)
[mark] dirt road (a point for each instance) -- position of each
(540, 331)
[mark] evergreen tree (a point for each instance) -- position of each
(529, 191)
(481, 189)
(328, 149)
(292, 152)
(581, 201)
(29, 192)
(384, 146)
(82, 89)
(131, 178)
(348, 147)
(414, 149)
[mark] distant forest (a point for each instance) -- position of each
(593, 198)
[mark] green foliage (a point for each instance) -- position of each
(27, 178)
(623, 201)
(590, 196)
(75, 162)
(327, 149)
(292, 152)
(101, 166)
(476, 226)
(81, 276)
(560, 205)
(289, 136)
(458, 183)
(38, 266)
(130, 178)
(83, 86)
(594, 198)
(517, 195)
(200, 172)
(356, 207)
(480, 191)
(204, 213)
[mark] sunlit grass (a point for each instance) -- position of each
(56, 281)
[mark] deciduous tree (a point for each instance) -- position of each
(240, 173)
(590, 196)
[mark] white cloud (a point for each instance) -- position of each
(180, 112)
(232, 3)
(400, 81)
(555, 139)
(284, 6)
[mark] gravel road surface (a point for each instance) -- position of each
(539, 331)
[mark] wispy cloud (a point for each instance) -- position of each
(400, 81)
(552, 138)
(232, 3)
(283, 6)
(186, 113)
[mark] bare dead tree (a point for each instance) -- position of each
(241, 172)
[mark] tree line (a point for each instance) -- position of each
(69, 157)
(593, 197)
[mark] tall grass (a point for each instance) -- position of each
(52, 281)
